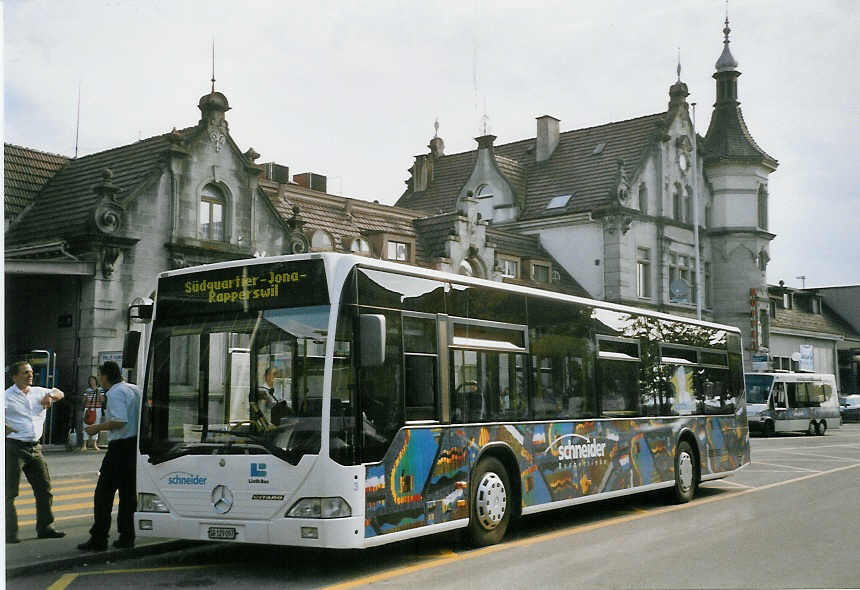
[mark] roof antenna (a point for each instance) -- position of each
(78, 120)
(213, 65)
(678, 69)
(436, 127)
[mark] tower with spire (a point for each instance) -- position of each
(738, 170)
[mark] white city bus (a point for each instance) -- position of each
(332, 400)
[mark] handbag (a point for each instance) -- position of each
(90, 416)
(91, 411)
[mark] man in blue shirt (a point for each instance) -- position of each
(26, 409)
(118, 467)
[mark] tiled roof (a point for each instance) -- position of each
(67, 201)
(827, 322)
(729, 137)
(25, 172)
(342, 217)
(573, 169)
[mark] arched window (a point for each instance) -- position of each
(359, 246)
(321, 240)
(466, 269)
(643, 199)
(213, 207)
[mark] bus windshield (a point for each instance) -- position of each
(236, 377)
(758, 388)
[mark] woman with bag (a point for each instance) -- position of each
(92, 411)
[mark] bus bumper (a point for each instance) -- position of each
(331, 533)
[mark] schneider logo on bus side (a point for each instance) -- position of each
(572, 447)
(182, 478)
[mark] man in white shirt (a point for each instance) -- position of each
(117, 472)
(26, 409)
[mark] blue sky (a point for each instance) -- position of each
(351, 90)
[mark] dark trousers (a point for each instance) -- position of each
(117, 474)
(27, 457)
(77, 426)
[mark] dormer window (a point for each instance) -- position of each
(398, 251)
(212, 209)
(510, 268)
(484, 192)
(360, 246)
(321, 240)
(540, 273)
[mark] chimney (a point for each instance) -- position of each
(547, 137)
(276, 172)
(437, 147)
(316, 182)
(422, 173)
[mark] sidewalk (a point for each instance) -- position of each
(73, 479)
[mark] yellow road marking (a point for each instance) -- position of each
(60, 508)
(63, 497)
(63, 582)
(59, 518)
(575, 530)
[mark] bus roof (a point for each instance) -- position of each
(375, 263)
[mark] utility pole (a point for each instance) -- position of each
(698, 262)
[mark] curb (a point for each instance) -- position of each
(88, 558)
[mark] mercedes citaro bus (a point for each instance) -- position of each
(332, 400)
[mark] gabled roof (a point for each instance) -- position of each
(25, 172)
(573, 169)
(66, 202)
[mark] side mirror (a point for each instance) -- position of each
(130, 347)
(371, 328)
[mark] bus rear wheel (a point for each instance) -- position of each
(813, 428)
(686, 472)
(822, 428)
(490, 511)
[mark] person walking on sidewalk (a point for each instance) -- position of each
(76, 403)
(117, 472)
(94, 397)
(26, 409)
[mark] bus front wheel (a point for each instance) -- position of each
(685, 473)
(490, 512)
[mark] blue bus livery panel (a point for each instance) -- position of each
(423, 479)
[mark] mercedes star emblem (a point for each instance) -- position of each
(222, 499)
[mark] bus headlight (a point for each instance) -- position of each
(320, 508)
(150, 503)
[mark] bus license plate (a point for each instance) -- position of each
(221, 532)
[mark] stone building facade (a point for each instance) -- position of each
(616, 205)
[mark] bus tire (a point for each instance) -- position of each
(822, 428)
(812, 428)
(686, 473)
(490, 510)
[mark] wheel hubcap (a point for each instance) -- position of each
(491, 501)
(685, 470)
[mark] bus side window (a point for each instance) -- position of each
(778, 396)
(791, 395)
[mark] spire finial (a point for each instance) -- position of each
(726, 29)
(678, 69)
(213, 65)
(436, 127)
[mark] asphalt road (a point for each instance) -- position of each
(789, 520)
